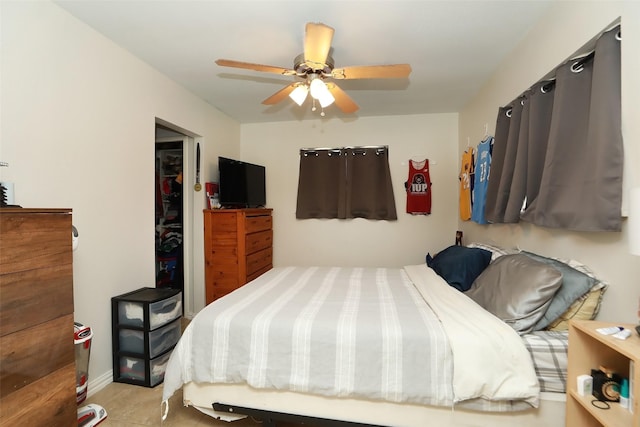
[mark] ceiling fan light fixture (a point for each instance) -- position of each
(316, 86)
(326, 99)
(320, 91)
(299, 94)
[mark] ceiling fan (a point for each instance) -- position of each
(314, 66)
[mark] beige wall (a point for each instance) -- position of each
(359, 242)
(77, 129)
(567, 27)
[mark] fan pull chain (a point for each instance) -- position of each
(313, 106)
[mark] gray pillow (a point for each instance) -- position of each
(517, 289)
(574, 285)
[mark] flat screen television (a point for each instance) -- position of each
(242, 185)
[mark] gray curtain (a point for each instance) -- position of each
(508, 164)
(518, 187)
(320, 187)
(564, 155)
(492, 211)
(540, 101)
(353, 182)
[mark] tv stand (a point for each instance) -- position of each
(238, 245)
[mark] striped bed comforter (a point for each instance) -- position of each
(400, 335)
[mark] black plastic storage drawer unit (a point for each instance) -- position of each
(146, 327)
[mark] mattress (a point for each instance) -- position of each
(548, 351)
(357, 333)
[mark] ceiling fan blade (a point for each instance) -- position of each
(395, 71)
(255, 67)
(280, 95)
(342, 100)
(317, 43)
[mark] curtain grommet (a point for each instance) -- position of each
(546, 88)
(577, 67)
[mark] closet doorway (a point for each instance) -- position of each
(169, 212)
(174, 238)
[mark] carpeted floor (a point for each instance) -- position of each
(134, 406)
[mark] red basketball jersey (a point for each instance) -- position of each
(418, 188)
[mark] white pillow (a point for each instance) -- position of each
(496, 251)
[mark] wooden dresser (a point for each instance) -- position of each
(37, 355)
(237, 248)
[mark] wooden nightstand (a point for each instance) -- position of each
(589, 349)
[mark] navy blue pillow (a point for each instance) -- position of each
(460, 265)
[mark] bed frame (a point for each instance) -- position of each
(230, 402)
(269, 418)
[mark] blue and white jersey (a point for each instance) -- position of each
(481, 180)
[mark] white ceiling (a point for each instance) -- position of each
(452, 46)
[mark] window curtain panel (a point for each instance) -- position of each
(492, 213)
(505, 179)
(561, 148)
(540, 102)
(352, 182)
(321, 191)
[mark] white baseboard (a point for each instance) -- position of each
(99, 383)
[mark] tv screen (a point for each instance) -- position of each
(242, 185)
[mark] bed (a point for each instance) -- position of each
(368, 346)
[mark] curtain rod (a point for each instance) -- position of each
(578, 59)
(339, 151)
(549, 81)
(351, 147)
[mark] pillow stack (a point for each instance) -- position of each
(526, 290)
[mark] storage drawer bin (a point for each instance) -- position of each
(158, 341)
(142, 371)
(149, 308)
(146, 326)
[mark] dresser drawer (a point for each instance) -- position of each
(258, 261)
(258, 241)
(257, 223)
(33, 353)
(34, 241)
(33, 297)
(49, 401)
